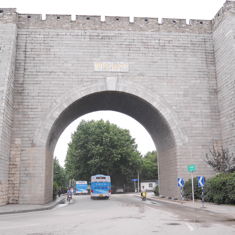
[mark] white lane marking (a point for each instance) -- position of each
(190, 227)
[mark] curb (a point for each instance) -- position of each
(177, 203)
(174, 202)
(43, 208)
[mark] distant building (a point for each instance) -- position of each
(148, 185)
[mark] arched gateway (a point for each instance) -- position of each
(176, 79)
(153, 113)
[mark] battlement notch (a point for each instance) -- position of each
(228, 7)
(114, 23)
(8, 15)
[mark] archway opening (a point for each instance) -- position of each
(143, 148)
(135, 107)
(142, 138)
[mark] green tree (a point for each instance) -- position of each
(99, 147)
(59, 178)
(149, 169)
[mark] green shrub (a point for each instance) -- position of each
(55, 190)
(156, 191)
(188, 189)
(221, 189)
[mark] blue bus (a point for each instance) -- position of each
(81, 187)
(100, 186)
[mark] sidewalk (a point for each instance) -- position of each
(16, 208)
(222, 209)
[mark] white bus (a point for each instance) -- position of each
(100, 186)
(81, 187)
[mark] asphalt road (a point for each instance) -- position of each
(120, 215)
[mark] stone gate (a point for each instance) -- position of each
(176, 78)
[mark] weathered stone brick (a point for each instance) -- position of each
(177, 79)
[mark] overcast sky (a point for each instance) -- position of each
(184, 9)
(190, 9)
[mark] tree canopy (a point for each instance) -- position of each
(99, 147)
(59, 177)
(149, 169)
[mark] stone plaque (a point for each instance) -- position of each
(111, 67)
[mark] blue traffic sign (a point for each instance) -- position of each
(134, 180)
(201, 181)
(180, 182)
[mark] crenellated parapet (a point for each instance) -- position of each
(228, 8)
(89, 22)
(8, 15)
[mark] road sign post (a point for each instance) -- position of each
(134, 180)
(181, 194)
(192, 187)
(138, 188)
(191, 169)
(181, 185)
(201, 183)
(203, 199)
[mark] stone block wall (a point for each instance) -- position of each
(174, 61)
(185, 71)
(8, 32)
(224, 47)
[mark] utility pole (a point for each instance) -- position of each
(138, 188)
(191, 169)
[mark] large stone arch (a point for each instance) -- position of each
(159, 119)
(59, 105)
